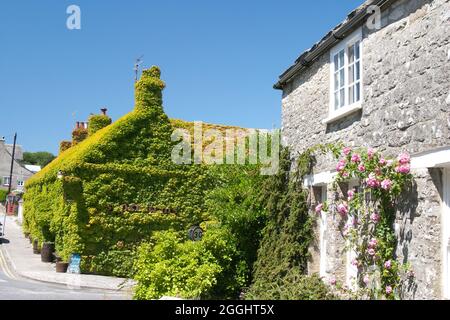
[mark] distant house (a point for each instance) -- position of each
(20, 173)
(385, 87)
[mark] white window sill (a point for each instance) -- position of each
(343, 112)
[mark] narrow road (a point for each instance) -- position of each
(12, 287)
(21, 289)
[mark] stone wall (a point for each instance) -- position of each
(406, 107)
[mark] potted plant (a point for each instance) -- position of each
(47, 251)
(61, 266)
(36, 249)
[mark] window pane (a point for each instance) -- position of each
(341, 78)
(357, 47)
(358, 92)
(342, 97)
(341, 59)
(358, 72)
(351, 54)
(351, 94)
(336, 81)
(336, 100)
(336, 62)
(351, 74)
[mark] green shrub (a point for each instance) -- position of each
(236, 203)
(289, 230)
(97, 122)
(3, 195)
(171, 265)
(293, 286)
(119, 263)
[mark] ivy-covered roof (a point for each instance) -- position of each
(121, 142)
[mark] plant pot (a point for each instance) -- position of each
(47, 251)
(61, 267)
(36, 249)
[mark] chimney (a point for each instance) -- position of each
(77, 125)
(103, 110)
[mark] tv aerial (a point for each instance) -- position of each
(137, 64)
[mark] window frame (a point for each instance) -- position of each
(347, 108)
(4, 183)
(323, 234)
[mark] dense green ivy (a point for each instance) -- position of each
(127, 162)
(97, 122)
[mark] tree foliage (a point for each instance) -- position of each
(40, 158)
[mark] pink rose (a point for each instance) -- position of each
(350, 194)
(388, 264)
(356, 158)
(370, 153)
(382, 162)
(373, 243)
(366, 279)
(371, 252)
(340, 166)
(319, 208)
(388, 290)
(345, 174)
(361, 168)
(404, 158)
(347, 151)
(375, 217)
(404, 168)
(333, 281)
(343, 209)
(372, 181)
(386, 184)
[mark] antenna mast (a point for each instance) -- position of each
(136, 68)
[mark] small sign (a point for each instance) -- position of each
(74, 263)
(195, 233)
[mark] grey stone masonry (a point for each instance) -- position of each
(405, 107)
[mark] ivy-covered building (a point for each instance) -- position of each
(112, 188)
(380, 79)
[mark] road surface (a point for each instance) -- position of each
(12, 287)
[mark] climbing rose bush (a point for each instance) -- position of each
(367, 220)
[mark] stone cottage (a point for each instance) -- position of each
(381, 79)
(20, 172)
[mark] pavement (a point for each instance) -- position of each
(19, 263)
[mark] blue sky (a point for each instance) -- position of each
(219, 59)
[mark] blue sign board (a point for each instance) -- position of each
(74, 263)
